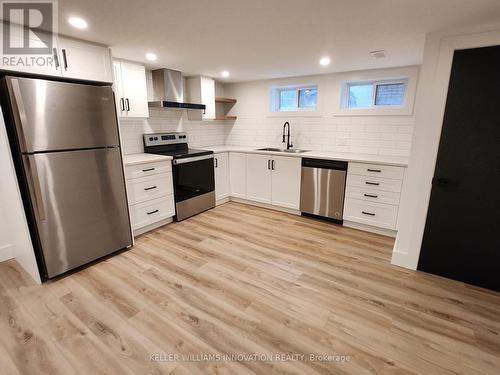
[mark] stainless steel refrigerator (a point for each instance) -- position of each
(65, 144)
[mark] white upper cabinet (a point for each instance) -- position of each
(130, 89)
(286, 172)
(259, 184)
(201, 90)
(69, 58)
(37, 64)
(86, 61)
(221, 164)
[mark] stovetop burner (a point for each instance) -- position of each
(185, 153)
(171, 144)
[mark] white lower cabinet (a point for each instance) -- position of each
(369, 213)
(150, 194)
(274, 180)
(150, 187)
(259, 184)
(286, 174)
(372, 195)
(150, 212)
(238, 174)
(221, 169)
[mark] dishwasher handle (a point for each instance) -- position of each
(324, 164)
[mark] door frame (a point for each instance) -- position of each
(431, 101)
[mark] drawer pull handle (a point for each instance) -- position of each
(148, 169)
(371, 195)
(150, 188)
(372, 183)
(368, 213)
(374, 170)
(152, 212)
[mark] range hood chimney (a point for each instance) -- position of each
(168, 87)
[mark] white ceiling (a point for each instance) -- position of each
(258, 39)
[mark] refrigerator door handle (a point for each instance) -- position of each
(37, 190)
(19, 110)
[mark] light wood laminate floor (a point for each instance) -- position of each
(239, 279)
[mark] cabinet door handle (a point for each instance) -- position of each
(152, 212)
(150, 188)
(216, 163)
(372, 183)
(128, 104)
(371, 195)
(65, 59)
(122, 105)
(272, 165)
(148, 169)
(269, 164)
(56, 58)
(374, 170)
(368, 213)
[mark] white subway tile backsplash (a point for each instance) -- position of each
(200, 133)
(381, 135)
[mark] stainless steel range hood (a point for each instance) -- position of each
(168, 87)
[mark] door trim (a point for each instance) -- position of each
(431, 97)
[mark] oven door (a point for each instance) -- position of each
(193, 177)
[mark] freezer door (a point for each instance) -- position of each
(80, 206)
(52, 116)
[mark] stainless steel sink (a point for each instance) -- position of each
(295, 151)
(273, 149)
(270, 149)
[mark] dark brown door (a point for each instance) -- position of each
(462, 233)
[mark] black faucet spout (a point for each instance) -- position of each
(286, 135)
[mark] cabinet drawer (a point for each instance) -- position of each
(375, 214)
(149, 187)
(150, 212)
(377, 196)
(376, 170)
(374, 183)
(147, 169)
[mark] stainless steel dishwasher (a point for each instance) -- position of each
(323, 188)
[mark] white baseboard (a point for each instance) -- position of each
(151, 227)
(403, 260)
(265, 205)
(371, 229)
(222, 201)
(6, 252)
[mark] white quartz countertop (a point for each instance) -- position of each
(343, 156)
(134, 159)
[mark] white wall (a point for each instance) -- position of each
(325, 129)
(431, 100)
(200, 133)
(15, 240)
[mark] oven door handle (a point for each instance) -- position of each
(189, 160)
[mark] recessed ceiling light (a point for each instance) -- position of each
(324, 61)
(151, 56)
(225, 74)
(78, 22)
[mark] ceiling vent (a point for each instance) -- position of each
(378, 54)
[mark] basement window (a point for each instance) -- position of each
(294, 99)
(374, 94)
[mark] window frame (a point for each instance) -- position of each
(276, 98)
(344, 105)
